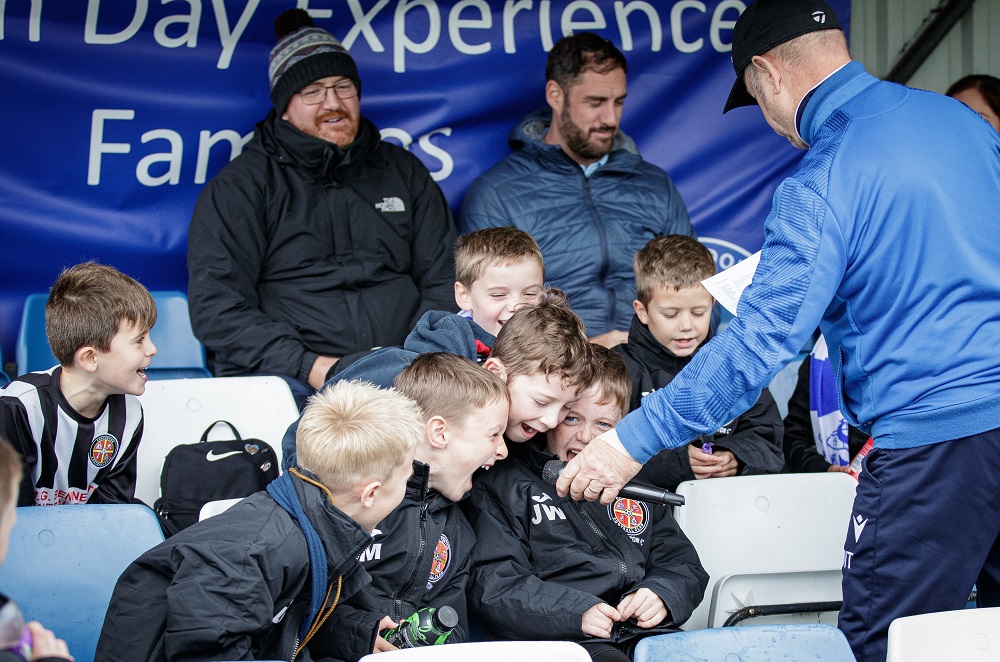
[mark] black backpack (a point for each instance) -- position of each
(194, 474)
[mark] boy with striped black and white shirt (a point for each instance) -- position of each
(78, 424)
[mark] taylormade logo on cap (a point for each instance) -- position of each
(766, 24)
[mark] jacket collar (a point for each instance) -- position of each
(527, 135)
(418, 488)
(280, 140)
(532, 454)
(841, 86)
(647, 350)
(343, 538)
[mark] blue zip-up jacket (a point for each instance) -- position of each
(885, 238)
(589, 229)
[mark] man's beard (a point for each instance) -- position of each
(578, 141)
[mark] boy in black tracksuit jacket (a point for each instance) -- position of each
(256, 582)
(420, 554)
(543, 563)
(419, 557)
(672, 321)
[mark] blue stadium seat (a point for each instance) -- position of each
(63, 563)
(4, 377)
(33, 351)
(179, 354)
(822, 643)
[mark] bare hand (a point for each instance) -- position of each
(646, 606)
(719, 464)
(381, 645)
(599, 619)
(45, 644)
(321, 366)
(611, 339)
(599, 471)
(834, 467)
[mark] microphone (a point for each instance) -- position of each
(632, 490)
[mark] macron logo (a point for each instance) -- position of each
(390, 204)
(819, 16)
(859, 526)
(215, 457)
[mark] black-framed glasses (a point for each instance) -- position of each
(314, 94)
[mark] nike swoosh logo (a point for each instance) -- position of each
(215, 457)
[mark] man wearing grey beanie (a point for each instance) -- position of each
(320, 240)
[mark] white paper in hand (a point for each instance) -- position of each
(727, 286)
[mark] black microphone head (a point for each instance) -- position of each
(550, 472)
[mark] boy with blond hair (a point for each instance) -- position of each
(548, 568)
(258, 581)
(672, 316)
(497, 270)
(78, 424)
(420, 554)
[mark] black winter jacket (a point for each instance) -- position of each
(234, 587)
(419, 557)
(754, 436)
(542, 560)
(298, 248)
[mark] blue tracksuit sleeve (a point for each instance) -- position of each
(778, 311)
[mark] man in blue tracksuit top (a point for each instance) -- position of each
(886, 239)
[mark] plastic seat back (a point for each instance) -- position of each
(762, 643)
(4, 377)
(33, 352)
(488, 651)
(63, 563)
(970, 635)
(178, 352)
(178, 411)
(213, 508)
(767, 540)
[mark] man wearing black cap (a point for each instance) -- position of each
(885, 238)
(320, 240)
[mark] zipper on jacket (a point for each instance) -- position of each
(398, 602)
(603, 236)
(622, 568)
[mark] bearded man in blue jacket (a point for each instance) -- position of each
(577, 184)
(885, 237)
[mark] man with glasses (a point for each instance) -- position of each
(320, 240)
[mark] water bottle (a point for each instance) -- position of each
(14, 635)
(425, 627)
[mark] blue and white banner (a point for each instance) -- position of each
(116, 112)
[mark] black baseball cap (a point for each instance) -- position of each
(764, 25)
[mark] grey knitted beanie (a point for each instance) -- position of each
(303, 54)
